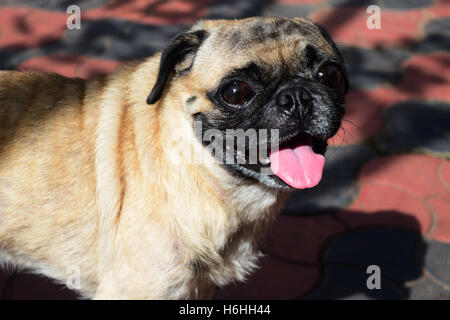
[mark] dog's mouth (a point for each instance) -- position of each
(299, 161)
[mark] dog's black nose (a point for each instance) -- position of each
(294, 97)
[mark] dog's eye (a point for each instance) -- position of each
(330, 75)
(237, 93)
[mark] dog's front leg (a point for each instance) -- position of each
(145, 275)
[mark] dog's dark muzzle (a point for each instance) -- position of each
(295, 98)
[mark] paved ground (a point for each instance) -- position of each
(385, 197)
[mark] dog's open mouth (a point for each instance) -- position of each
(299, 161)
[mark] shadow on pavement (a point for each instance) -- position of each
(340, 270)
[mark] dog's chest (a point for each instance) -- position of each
(240, 254)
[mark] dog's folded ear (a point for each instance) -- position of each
(182, 46)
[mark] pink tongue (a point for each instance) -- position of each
(299, 167)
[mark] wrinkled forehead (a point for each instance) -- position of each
(269, 42)
(242, 34)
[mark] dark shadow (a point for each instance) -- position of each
(338, 269)
(118, 39)
(27, 286)
(396, 246)
(21, 23)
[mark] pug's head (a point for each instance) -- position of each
(270, 87)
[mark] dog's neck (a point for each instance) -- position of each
(217, 235)
(234, 217)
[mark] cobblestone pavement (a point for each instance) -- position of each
(385, 196)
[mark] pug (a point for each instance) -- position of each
(132, 185)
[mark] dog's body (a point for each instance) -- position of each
(88, 181)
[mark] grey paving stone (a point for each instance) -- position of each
(353, 3)
(427, 290)
(384, 4)
(347, 257)
(338, 186)
(416, 125)
(342, 283)
(437, 262)
(288, 11)
(406, 4)
(369, 68)
(118, 39)
(102, 38)
(437, 37)
(235, 9)
(59, 5)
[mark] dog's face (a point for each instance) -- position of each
(281, 81)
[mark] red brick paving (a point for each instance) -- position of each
(406, 183)
(441, 9)
(396, 27)
(301, 239)
(275, 280)
(441, 206)
(362, 118)
(415, 173)
(364, 107)
(434, 72)
(388, 95)
(444, 174)
(152, 12)
(385, 205)
(23, 27)
(301, 2)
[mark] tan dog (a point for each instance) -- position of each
(92, 174)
